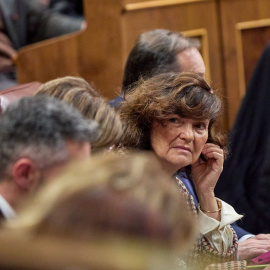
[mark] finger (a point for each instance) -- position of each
(262, 236)
(257, 252)
(212, 149)
(262, 244)
(214, 155)
(211, 145)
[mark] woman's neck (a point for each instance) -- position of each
(168, 168)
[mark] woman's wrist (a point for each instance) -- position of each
(219, 204)
(209, 205)
(207, 199)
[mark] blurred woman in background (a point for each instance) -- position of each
(125, 208)
(77, 92)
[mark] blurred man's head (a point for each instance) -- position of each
(38, 137)
(161, 51)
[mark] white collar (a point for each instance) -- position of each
(6, 209)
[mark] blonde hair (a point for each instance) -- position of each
(77, 92)
(111, 196)
(60, 86)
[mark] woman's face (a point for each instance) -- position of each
(178, 142)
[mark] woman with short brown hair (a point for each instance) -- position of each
(173, 115)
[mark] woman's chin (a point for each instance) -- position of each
(181, 162)
(175, 165)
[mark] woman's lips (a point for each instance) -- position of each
(183, 148)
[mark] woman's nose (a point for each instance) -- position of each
(187, 133)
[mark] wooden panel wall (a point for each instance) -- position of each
(252, 38)
(233, 34)
(103, 47)
(186, 16)
(99, 53)
(245, 32)
(95, 53)
(182, 16)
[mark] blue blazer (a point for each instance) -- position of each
(115, 103)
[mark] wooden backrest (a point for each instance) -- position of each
(99, 52)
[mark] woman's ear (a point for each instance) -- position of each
(26, 174)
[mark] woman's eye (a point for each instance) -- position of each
(200, 126)
(174, 120)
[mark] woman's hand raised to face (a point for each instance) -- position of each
(205, 174)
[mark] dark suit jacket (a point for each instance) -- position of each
(68, 7)
(245, 180)
(27, 22)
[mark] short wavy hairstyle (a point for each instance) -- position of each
(187, 95)
(77, 92)
(60, 86)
